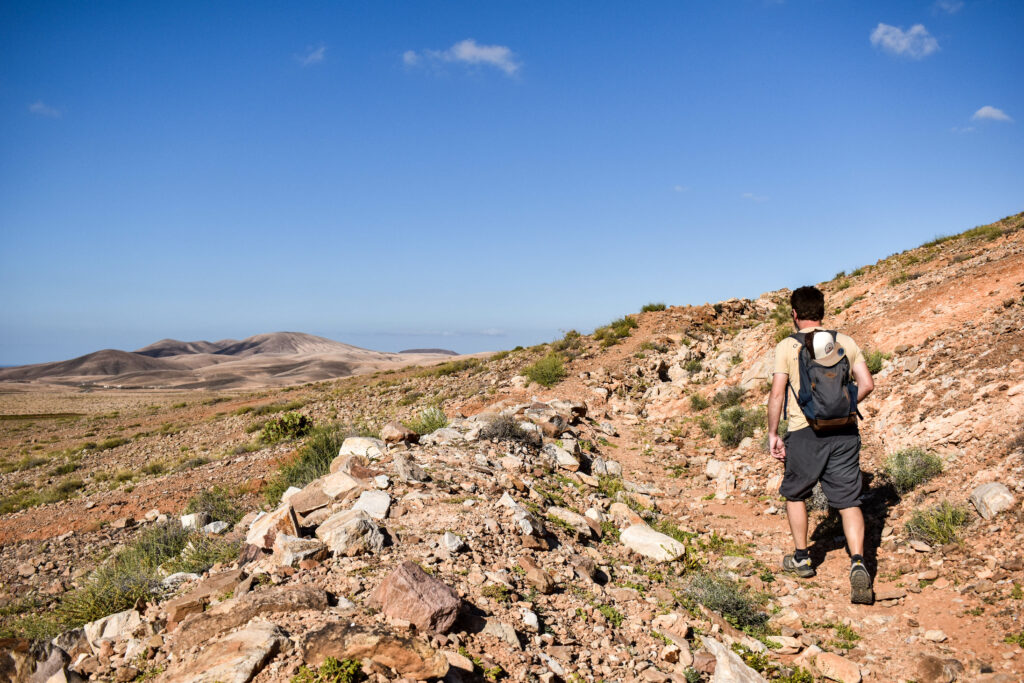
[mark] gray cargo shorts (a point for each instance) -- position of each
(833, 459)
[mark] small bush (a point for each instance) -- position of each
(698, 402)
(693, 365)
(111, 442)
(902, 277)
(289, 426)
(497, 592)
(718, 592)
(505, 428)
(271, 408)
(570, 345)
(874, 360)
(409, 398)
(939, 524)
(737, 423)
(452, 367)
(648, 308)
(911, 467)
(428, 420)
(25, 463)
(730, 396)
(217, 503)
(548, 371)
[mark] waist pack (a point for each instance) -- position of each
(828, 395)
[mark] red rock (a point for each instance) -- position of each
(409, 656)
(411, 594)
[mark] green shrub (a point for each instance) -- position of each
(312, 461)
(271, 408)
(718, 592)
(693, 365)
(652, 307)
(452, 367)
(409, 398)
(570, 345)
(615, 330)
(25, 463)
(729, 397)
(614, 616)
(874, 360)
(429, 420)
(737, 423)
(111, 442)
(902, 277)
(291, 425)
(548, 371)
(331, 671)
(912, 467)
(939, 524)
(31, 497)
(698, 402)
(217, 503)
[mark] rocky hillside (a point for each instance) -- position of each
(601, 508)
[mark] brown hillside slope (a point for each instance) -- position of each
(953, 385)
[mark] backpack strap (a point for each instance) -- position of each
(799, 338)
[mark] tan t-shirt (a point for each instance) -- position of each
(787, 362)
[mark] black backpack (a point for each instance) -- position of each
(828, 395)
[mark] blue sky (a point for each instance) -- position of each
(477, 175)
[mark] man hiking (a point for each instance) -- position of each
(820, 376)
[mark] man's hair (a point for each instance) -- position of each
(808, 302)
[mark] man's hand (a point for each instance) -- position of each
(776, 446)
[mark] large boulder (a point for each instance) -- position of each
(410, 594)
(652, 544)
(290, 550)
(407, 470)
(411, 658)
(111, 627)
(236, 658)
(350, 532)
(374, 503)
(395, 432)
(992, 498)
(365, 446)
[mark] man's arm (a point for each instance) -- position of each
(776, 447)
(865, 382)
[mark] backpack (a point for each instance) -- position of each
(828, 395)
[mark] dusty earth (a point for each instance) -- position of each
(948, 317)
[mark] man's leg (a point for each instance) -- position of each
(796, 512)
(853, 528)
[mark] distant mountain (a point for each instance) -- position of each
(444, 352)
(274, 359)
(173, 347)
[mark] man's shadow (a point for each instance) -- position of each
(877, 498)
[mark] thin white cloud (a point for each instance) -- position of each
(949, 6)
(39, 108)
(988, 113)
(313, 55)
(468, 53)
(962, 129)
(915, 42)
(756, 198)
(680, 188)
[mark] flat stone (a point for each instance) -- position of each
(729, 668)
(652, 544)
(837, 668)
(407, 470)
(374, 503)
(411, 594)
(411, 657)
(224, 616)
(935, 636)
(111, 627)
(992, 498)
(216, 528)
(502, 631)
(236, 658)
(576, 521)
(452, 543)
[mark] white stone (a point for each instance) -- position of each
(530, 620)
(364, 446)
(216, 528)
(350, 532)
(992, 498)
(289, 492)
(195, 521)
(111, 627)
(381, 481)
(652, 544)
(452, 543)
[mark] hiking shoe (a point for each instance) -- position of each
(860, 585)
(801, 568)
